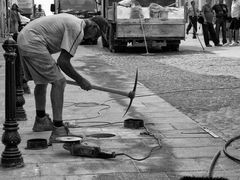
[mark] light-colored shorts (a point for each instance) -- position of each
(39, 67)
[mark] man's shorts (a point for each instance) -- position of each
(235, 24)
(40, 67)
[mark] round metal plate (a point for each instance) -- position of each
(69, 139)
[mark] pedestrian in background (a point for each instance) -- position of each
(221, 14)
(193, 12)
(235, 24)
(39, 12)
(207, 26)
(15, 20)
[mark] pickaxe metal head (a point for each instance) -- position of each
(132, 93)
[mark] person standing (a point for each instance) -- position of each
(36, 42)
(221, 13)
(193, 12)
(207, 26)
(39, 12)
(235, 24)
(15, 20)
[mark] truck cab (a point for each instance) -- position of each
(79, 8)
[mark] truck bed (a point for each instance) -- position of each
(153, 28)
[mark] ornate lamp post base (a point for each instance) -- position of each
(11, 156)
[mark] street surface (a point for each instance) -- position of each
(203, 84)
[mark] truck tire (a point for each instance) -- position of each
(171, 46)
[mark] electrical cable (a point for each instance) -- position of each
(213, 163)
(151, 151)
(84, 104)
(139, 159)
(228, 143)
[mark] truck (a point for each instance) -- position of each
(79, 8)
(25, 6)
(165, 32)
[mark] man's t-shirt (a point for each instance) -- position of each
(207, 11)
(221, 10)
(52, 33)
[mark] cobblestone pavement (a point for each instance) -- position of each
(199, 83)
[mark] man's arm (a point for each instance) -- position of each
(65, 65)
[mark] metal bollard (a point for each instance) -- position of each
(11, 156)
(20, 101)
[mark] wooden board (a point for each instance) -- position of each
(126, 30)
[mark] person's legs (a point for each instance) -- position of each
(217, 28)
(189, 25)
(236, 37)
(205, 34)
(231, 32)
(224, 31)
(40, 91)
(213, 34)
(42, 120)
(194, 22)
(57, 98)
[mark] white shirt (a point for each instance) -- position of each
(52, 33)
(235, 9)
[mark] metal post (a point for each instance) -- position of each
(20, 101)
(11, 156)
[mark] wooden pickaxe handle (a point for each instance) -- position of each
(110, 90)
(130, 94)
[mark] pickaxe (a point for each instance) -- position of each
(130, 94)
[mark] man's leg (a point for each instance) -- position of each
(217, 28)
(224, 32)
(236, 37)
(40, 92)
(213, 34)
(42, 120)
(231, 35)
(189, 25)
(57, 98)
(205, 34)
(194, 21)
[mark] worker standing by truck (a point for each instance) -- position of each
(207, 25)
(221, 13)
